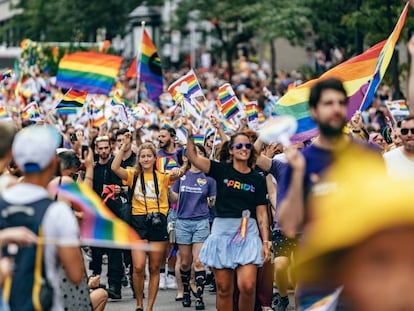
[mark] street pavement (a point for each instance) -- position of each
(165, 300)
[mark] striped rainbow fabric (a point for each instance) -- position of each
(354, 73)
(185, 87)
(384, 60)
(88, 71)
(99, 226)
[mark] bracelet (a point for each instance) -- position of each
(356, 131)
(88, 177)
(190, 136)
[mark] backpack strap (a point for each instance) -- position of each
(29, 261)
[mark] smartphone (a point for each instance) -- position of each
(84, 151)
(72, 137)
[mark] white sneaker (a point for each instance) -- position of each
(171, 282)
(163, 283)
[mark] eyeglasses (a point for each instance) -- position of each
(239, 146)
(102, 138)
(405, 131)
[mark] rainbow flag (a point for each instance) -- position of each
(149, 68)
(117, 99)
(355, 74)
(73, 98)
(6, 74)
(198, 139)
(383, 60)
(31, 112)
(252, 113)
(88, 71)
(99, 226)
(97, 116)
(185, 87)
(164, 164)
(3, 113)
(229, 109)
(328, 303)
(227, 101)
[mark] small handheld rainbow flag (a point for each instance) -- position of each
(31, 112)
(99, 226)
(252, 114)
(185, 87)
(6, 74)
(3, 113)
(227, 101)
(71, 100)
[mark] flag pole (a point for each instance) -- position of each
(138, 69)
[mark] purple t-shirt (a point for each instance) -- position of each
(166, 161)
(317, 161)
(194, 189)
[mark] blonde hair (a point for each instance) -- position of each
(144, 146)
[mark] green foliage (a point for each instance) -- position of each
(72, 20)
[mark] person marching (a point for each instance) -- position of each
(194, 193)
(148, 213)
(234, 246)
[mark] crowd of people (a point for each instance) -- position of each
(231, 210)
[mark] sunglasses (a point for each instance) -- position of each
(239, 146)
(120, 140)
(405, 131)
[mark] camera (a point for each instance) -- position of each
(154, 218)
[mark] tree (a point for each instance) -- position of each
(72, 20)
(226, 17)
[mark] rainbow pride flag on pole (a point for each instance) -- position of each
(88, 71)
(99, 226)
(149, 67)
(384, 60)
(185, 87)
(354, 73)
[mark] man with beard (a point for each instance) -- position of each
(103, 180)
(328, 108)
(167, 159)
(400, 161)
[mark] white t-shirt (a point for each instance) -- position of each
(58, 222)
(398, 165)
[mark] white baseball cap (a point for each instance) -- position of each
(35, 146)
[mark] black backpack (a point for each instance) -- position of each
(28, 287)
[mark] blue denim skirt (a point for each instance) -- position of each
(222, 250)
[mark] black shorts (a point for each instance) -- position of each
(147, 231)
(283, 246)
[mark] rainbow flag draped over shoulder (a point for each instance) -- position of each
(88, 71)
(383, 60)
(99, 226)
(354, 73)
